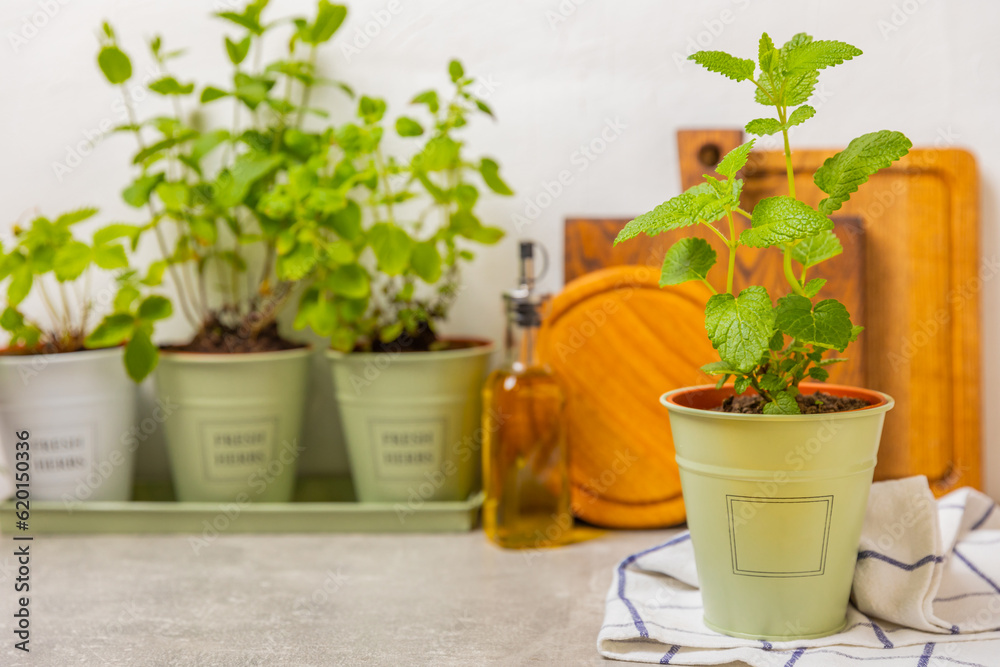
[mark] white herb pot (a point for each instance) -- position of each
(79, 411)
(411, 421)
(233, 435)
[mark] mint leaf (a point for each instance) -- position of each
(841, 174)
(426, 261)
(763, 127)
(827, 324)
(818, 55)
(392, 246)
(351, 281)
(718, 368)
(738, 69)
(781, 219)
(168, 85)
(111, 331)
(767, 55)
(140, 355)
(742, 384)
(155, 308)
(115, 65)
(800, 115)
(815, 249)
(735, 160)
(71, 260)
(784, 403)
(407, 127)
(819, 374)
(688, 259)
(813, 287)
(740, 328)
(490, 171)
(700, 202)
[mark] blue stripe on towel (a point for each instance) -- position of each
(903, 566)
(669, 655)
(795, 657)
(636, 619)
(986, 516)
(972, 567)
(881, 635)
(925, 659)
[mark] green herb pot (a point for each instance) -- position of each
(79, 411)
(411, 421)
(775, 504)
(234, 433)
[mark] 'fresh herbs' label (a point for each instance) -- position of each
(404, 449)
(62, 455)
(236, 450)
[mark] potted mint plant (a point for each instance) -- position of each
(775, 470)
(64, 377)
(238, 383)
(408, 399)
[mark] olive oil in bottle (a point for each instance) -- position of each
(525, 463)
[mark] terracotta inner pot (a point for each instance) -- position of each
(708, 397)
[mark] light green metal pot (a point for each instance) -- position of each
(237, 419)
(79, 411)
(411, 421)
(775, 504)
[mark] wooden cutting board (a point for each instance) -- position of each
(909, 272)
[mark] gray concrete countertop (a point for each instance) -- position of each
(311, 600)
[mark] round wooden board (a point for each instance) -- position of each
(617, 341)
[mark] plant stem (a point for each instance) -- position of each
(307, 90)
(789, 274)
(705, 280)
(732, 252)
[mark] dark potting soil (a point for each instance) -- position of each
(423, 340)
(809, 404)
(218, 338)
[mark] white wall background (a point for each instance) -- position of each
(560, 71)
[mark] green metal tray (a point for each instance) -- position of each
(320, 505)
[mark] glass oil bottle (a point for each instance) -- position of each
(525, 462)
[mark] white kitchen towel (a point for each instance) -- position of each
(926, 590)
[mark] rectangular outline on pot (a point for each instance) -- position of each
(374, 421)
(207, 449)
(47, 480)
(828, 499)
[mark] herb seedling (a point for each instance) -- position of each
(50, 261)
(747, 329)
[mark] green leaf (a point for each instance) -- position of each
(818, 55)
(490, 172)
(782, 219)
(812, 250)
(856, 331)
(126, 296)
(232, 185)
(718, 368)
(485, 108)
(207, 142)
(154, 275)
(371, 109)
(426, 261)
(141, 355)
(762, 127)
(439, 154)
(329, 18)
(430, 98)
(800, 115)
(740, 328)
(486, 235)
(784, 403)
(137, 194)
(797, 89)
(237, 50)
(738, 69)
(111, 331)
(777, 341)
(211, 93)
(407, 127)
(20, 284)
(455, 70)
(298, 263)
(767, 55)
(819, 374)
(155, 308)
(351, 281)
(735, 160)
(117, 231)
(110, 257)
(698, 203)
(742, 384)
(392, 246)
(251, 90)
(827, 324)
(71, 260)
(115, 65)
(771, 382)
(689, 259)
(841, 174)
(347, 221)
(73, 217)
(168, 85)
(174, 195)
(813, 287)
